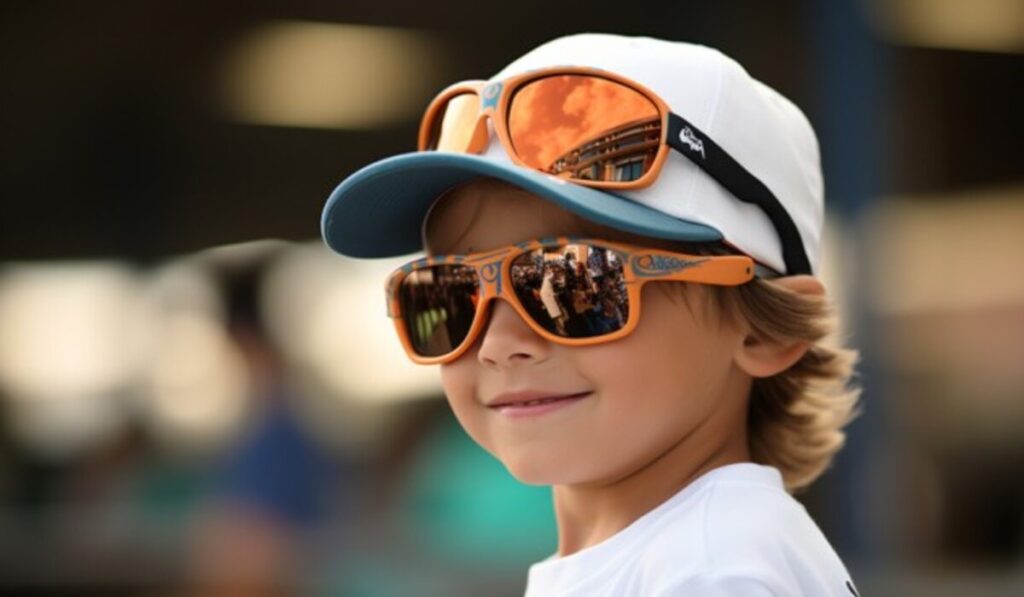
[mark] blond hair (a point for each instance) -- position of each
(796, 418)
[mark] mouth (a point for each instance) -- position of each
(531, 404)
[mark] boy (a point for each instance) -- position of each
(675, 402)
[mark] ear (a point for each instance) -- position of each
(763, 357)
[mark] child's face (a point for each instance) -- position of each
(646, 392)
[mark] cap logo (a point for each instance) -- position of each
(687, 136)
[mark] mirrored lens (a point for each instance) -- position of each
(453, 125)
(438, 304)
(584, 127)
(574, 291)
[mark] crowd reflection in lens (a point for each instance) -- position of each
(576, 291)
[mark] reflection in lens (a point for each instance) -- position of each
(574, 291)
(453, 127)
(438, 304)
(585, 127)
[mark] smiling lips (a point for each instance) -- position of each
(530, 398)
(533, 402)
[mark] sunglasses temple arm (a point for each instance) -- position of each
(687, 139)
(729, 270)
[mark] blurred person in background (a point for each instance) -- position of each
(274, 484)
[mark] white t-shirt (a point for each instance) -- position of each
(732, 532)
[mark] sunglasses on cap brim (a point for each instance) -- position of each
(619, 141)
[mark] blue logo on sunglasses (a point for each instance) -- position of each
(490, 95)
(491, 273)
(659, 265)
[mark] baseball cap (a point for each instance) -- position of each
(378, 211)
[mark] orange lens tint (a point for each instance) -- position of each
(455, 123)
(584, 127)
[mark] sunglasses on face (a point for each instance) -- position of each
(573, 292)
(594, 128)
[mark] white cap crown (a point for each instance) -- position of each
(762, 130)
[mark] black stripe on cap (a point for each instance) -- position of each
(687, 139)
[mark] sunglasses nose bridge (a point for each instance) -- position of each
(486, 309)
(481, 134)
(491, 281)
(489, 295)
(494, 285)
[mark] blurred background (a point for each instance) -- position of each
(197, 398)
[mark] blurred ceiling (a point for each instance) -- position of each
(116, 141)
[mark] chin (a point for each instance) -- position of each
(532, 472)
(542, 471)
(539, 480)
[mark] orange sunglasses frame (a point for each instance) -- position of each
(497, 112)
(640, 266)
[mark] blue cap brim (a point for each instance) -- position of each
(378, 211)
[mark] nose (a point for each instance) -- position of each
(507, 340)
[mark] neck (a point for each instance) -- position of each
(592, 512)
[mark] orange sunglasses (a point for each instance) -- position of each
(594, 128)
(573, 292)
(611, 129)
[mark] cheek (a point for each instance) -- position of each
(668, 374)
(458, 383)
(458, 379)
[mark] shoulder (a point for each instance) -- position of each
(743, 517)
(745, 534)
